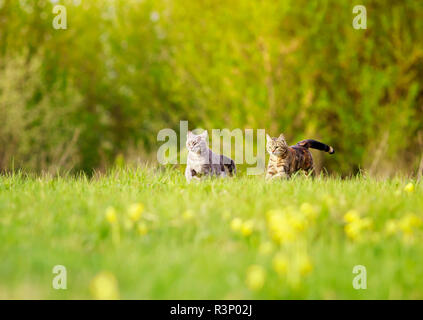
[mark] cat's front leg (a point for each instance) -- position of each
(189, 174)
(279, 175)
(275, 173)
(310, 173)
(268, 176)
(282, 175)
(270, 172)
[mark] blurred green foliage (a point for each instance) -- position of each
(125, 69)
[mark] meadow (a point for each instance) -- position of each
(143, 233)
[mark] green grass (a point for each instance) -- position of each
(61, 221)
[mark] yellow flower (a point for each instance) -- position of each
(142, 228)
(352, 230)
(391, 227)
(111, 216)
(309, 211)
(276, 222)
(247, 228)
(356, 225)
(351, 216)
(266, 248)
(305, 265)
(104, 286)
(280, 263)
(135, 211)
(283, 226)
(187, 215)
(297, 222)
(409, 187)
(256, 277)
(409, 222)
(236, 224)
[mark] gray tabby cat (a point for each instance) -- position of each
(202, 162)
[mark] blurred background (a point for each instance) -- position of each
(99, 92)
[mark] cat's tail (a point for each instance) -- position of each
(310, 143)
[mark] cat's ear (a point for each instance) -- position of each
(268, 137)
(204, 134)
(189, 133)
(281, 137)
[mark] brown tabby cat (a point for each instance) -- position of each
(285, 160)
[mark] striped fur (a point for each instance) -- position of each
(285, 160)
